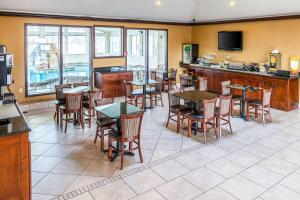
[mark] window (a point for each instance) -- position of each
(45, 69)
(108, 41)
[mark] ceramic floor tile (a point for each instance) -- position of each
(60, 150)
(38, 149)
(243, 158)
(170, 170)
(212, 152)
(225, 167)
(36, 177)
(193, 160)
(150, 195)
(204, 178)
(54, 184)
(273, 143)
(84, 196)
(259, 150)
(292, 182)
(262, 176)
(158, 154)
(71, 166)
(216, 194)
(100, 167)
(279, 192)
(289, 155)
(242, 188)
(117, 190)
(42, 197)
(229, 145)
(278, 165)
(143, 181)
(45, 164)
(178, 189)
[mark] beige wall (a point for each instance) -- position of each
(260, 38)
(12, 35)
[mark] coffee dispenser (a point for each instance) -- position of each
(6, 65)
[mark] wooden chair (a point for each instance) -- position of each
(134, 97)
(176, 110)
(236, 99)
(81, 84)
(205, 117)
(103, 122)
(170, 81)
(153, 75)
(60, 99)
(156, 93)
(262, 105)
(223, 113)
(89, 105)
(73, 105)
(202, 83)
(130, 132)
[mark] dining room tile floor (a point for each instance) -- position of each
(255, 162)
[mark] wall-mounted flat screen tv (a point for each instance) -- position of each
(230, 40)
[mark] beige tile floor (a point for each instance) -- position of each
(255, 162)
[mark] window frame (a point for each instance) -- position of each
(147, 46)
(122, 28)
(60, 27)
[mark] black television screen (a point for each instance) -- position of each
(230, 41)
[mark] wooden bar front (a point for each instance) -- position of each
(285, 94)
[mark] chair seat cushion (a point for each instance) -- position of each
(180, 108)
(86, 104)
(115, 133)
(137, 92)
(197, 115)
(236, 97)
(152, 91)
(255, 102)
(105, 121)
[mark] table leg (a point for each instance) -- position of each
(243, 104)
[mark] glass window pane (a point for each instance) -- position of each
(108, 41)
(42, 59)
(76, 54)
(157, 50)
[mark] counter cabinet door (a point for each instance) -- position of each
(125, 76)
(110, 82)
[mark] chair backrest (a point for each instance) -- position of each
(173, 101)
(225, 105)
(128, 88)
(225, 89)
(186, 89)
(59, 94)
(153, 75)
(81, 84)
(267, 97)
(173, 73)
(102, 102)
(209, 109)
(73, 102)
(94, 95)
(158, 85)
(183, 80)
(202, 83)
(131, 126)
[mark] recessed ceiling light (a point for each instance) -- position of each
(232, 3)
(158, 3)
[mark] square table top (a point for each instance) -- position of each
(142, 83)
(116, 110)
(195, 96)
(76, 89)
(244, 87)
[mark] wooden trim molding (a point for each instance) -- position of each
(250, 19)
(73, 17)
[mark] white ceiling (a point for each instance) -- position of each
(169, 10)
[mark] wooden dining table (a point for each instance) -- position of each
(115, 111)
(244, 89)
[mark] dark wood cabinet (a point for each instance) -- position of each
(285, 94)
(112, 84)
(15, 165)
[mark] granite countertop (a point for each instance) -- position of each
(240, 71)
(18, 123)
(110, 70)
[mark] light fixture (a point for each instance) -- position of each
(158, 2)
(232, 3)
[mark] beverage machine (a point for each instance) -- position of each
(190, 53)
(6, 79)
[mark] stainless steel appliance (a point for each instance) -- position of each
(190, 53)
(6, 78)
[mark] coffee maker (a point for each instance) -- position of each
(6, 65)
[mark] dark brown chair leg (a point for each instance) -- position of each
(66, 124)
(140, 151)
(168, 120)
(204, 132)
(122, 155)
(161, 99)
(229, 123)
(109, 147)
(102, 139)
(90, 118)
(96, 136)
(189, 127)
(178, 122)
